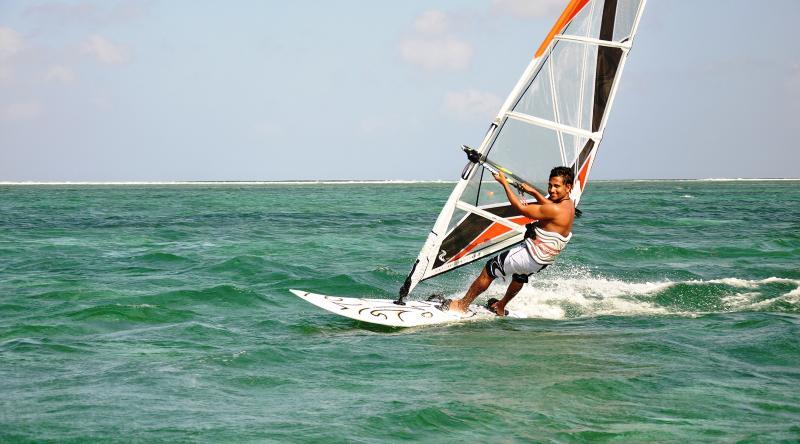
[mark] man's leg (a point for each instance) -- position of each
(478, 286)
(513, 288)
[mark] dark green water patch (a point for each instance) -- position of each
(157, 258)
(131, 313)
(221, 295)
(245, 265)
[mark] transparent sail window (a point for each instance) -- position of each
(573, 145)
(473, 188)
(626, 16)
(537, 100)
(456, 218)
(531, 149)
(573, 68)
(587, 22)
(563, 89)
(483, 190)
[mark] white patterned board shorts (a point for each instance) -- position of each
(516, 262)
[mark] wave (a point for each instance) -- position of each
(576, 297)
(160, 256)
(136, 313)
(243, 264)
(221, 295)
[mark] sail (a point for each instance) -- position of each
(555, 115)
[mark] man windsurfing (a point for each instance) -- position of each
(544, 239)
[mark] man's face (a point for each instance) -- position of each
(558, 189)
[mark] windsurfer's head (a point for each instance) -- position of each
(560, 184)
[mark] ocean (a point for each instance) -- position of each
(161, 313)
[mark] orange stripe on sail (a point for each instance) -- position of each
(584, 172)
(494, 230)
(572, 9)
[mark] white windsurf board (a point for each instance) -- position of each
(386, 312)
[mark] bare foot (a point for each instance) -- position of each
(498, 308)
(458, 305)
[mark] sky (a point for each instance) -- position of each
(183, 90)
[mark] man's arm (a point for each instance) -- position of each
(533, 191)
(539, 211)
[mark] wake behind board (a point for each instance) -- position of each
(385, 312)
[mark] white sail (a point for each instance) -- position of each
(555, 115)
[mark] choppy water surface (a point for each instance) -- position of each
(161, 313)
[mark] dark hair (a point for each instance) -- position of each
(565, 173)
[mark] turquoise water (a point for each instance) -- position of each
(162, 314)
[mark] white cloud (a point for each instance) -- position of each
(528, 8)
(21, 111)
(431, 45)
(10, 42)
(437, 54)
(432, 22)
(471, 105)
(59, 74)
(104, 51)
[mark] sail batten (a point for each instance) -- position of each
(590, 41)
(555, 115)
(549, 124)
